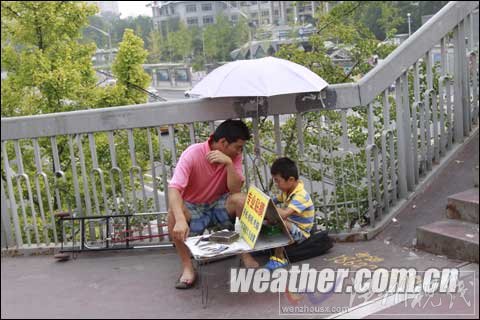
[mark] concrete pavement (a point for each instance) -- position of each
(139, 284)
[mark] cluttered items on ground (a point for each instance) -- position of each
(258, 209)
(224, 236)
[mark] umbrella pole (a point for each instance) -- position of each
(257, 152)
(256, 134)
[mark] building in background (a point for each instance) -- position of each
(168, 14)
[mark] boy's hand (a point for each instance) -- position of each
(285, 213)
(218, 157)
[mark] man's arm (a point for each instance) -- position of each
(234, 181)
(175, 202)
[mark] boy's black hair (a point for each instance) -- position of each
(232, 130)
(285, 167)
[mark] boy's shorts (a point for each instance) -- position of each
(297, 234)
(207, 215)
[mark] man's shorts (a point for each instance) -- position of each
(209, 215)
(296, 233)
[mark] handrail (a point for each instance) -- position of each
(413, 147)
(338, 96)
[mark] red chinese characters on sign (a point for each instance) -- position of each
(250, 198)
(256, 204)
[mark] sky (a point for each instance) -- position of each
(134, 8)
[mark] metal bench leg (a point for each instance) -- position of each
(203, 274)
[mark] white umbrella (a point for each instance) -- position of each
(263, 77)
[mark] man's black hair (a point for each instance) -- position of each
(232, 130)
(284, 167)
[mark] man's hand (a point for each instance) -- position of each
(218, 157)
(180, 231)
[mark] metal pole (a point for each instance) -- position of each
(109, 39)
(409, 25)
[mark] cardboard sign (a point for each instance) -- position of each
(252, 215)
(259, 206)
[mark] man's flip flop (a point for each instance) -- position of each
(185, 284)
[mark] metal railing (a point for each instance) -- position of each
(118, 160)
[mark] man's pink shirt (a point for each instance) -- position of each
(198, 180)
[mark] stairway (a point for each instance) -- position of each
(457, 236)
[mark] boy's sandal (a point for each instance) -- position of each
(276, 263)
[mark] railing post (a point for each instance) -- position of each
(164, 169)
(11, 196)
(472, 72)
(154, 170)
(421, 111)
(416, 99)
(467, 124)
(278, 139)
(474, 76)
(345, 141)
(458, 89)
(301, 143)
(8, 241)
(173, 144)
(441, 94)
(431, 98)
(401, 142)
(408, 133)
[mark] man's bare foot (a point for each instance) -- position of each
(188, 275)
(187, 280)
(249, 261)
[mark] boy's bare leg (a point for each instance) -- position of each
(279, 253)
(188, 273)
(249, 261)
(235, 203)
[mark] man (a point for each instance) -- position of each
(205, 191)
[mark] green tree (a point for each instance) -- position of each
(181, 43)
(210, 43)
(417, 9)
(198, 60)
(221, 38)
(91, 35)
(129, 71)
(240, 32)
(380, 17)
(224, 32)
(349, 26)
(155, 49)
(47, 70)
(116, 27)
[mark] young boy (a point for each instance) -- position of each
(294, 204)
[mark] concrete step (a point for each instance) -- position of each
(464, 206)
(452, 238)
